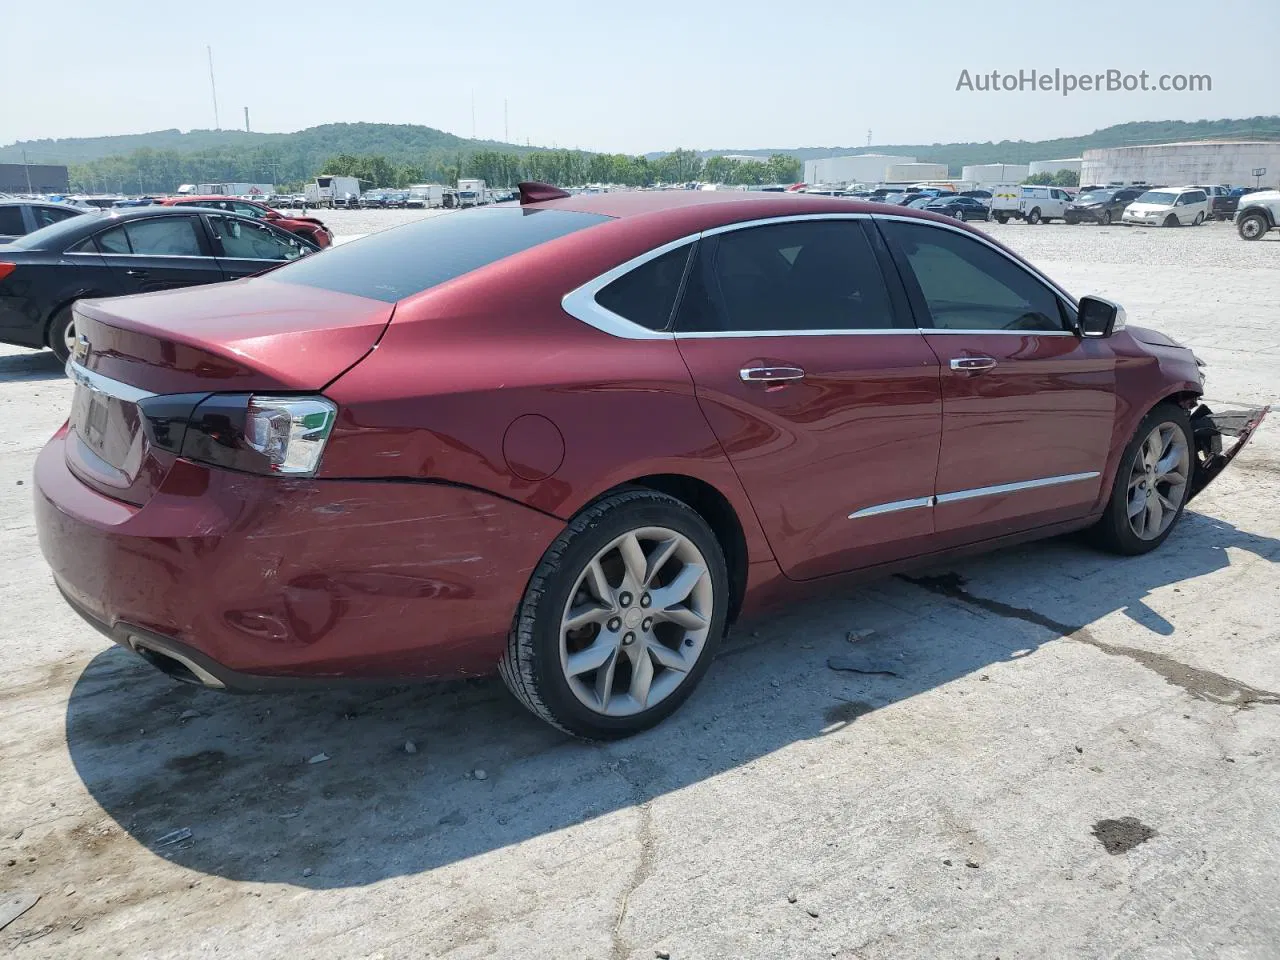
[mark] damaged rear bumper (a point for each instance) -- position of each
(1209, 428)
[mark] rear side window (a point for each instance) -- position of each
(46, 216)
(399, 263)
(648, 293)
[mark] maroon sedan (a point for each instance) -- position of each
(572, 439)
(312, 228)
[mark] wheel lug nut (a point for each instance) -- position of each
(629, 639)
(615, 624)
(645, 600)
(648, 623)
(624, 599)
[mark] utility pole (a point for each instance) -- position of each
(506, 130)
(473, 114)
(868, 136)
(246, 120)
(213, 88)
(26, 168)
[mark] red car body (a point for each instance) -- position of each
(310, 227)
(476, 418)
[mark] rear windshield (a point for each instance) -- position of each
(52, 236)
(398, 263)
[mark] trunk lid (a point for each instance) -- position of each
(249, 336)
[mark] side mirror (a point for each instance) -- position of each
(1100, 318)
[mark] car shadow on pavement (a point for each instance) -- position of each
(319, 790)
(36, 365)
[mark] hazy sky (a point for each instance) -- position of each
(633, 77)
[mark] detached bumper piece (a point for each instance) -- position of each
(1209, 428)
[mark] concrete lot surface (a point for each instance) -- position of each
(1075, 755)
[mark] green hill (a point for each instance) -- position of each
(393, 154)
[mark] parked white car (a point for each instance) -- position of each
(1258, 213)
(1168, 207)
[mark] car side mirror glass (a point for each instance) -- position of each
(1099, 317)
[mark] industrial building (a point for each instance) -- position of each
(859, 168)
(1227, 162)
(1071, 164)
(914, 172)
(983, 175)
(33, 178)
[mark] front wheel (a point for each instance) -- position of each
(621, 618)
(1151, 483)
(1252, 226)
(61, 336)
(1171, 220)
(1105, 219)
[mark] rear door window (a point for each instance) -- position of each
(114, 241)
(399, 263)
(801, 276)
(164, 237)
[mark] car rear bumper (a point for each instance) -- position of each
(1213, 454)
(257, 582)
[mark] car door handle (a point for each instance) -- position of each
(770, 374)
(972, 364)
(136, 273)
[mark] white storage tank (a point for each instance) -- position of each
(1219, 161)
(914, 172)
(989, 174)
(1070, 164)
(858, 168)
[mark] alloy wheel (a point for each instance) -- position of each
(69, 338)
(636, 621)
(1158, 481)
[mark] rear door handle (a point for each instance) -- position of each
(135, 273)
(770, 374)
(972, 364)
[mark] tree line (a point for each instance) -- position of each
(161, 171)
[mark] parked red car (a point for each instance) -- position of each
(571, 439)
(310, 227)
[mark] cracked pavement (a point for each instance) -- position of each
(1074, 754)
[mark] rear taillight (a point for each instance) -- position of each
(247, 432)
(6, 269)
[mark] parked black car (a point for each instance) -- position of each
(20, 217)
(396, 200)
(962, 208)
(126, 251)
(1101, 206)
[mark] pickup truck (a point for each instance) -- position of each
(1258, 213)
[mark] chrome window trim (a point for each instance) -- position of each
(947, 331)
(581, 304)
(971, 494)
(96, 382)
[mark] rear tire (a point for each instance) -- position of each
(1198, 220)
(1001, 218)
(1159, 431)
(61, 334)
(1034, 215)
(1105, 219)
(585, 701)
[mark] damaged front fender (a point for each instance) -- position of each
(1208, 429)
